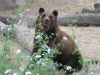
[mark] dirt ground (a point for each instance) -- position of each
(88, 38)
(63, 6)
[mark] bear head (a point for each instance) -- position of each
(48, 20)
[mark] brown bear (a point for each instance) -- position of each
(66, 57)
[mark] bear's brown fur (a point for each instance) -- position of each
(49, 25)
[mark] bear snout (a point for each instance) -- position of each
(46, 22)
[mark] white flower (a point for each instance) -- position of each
(38, 62)
(92, 73)
(64, 38)
(69, 68)
(43, 54)
(2, 28)
(49, 50)
(18, 51)
(37, 74)
(21, 15)
(22, 68)
(31, 65)
(15, 74)
(76, 41)
(44, 64)
(37, 37)
(7, 71)
(27, 9)
(8, 19)
(15, 24)
(28, 58)
(45, 46)
(38, 56)
(28, 73)
(9, 29)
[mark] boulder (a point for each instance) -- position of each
(97, 6)
(29, 20)
(4, 27)
(25, 38)
(1, 24)
(23, 34)
(6, 18)
(96, 9)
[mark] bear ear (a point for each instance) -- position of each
(55, 12)
(41, 10)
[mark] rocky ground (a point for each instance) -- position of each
(88, 38)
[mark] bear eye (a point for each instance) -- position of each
(50, 17)
(44, 15)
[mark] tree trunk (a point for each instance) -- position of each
(79, 19)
